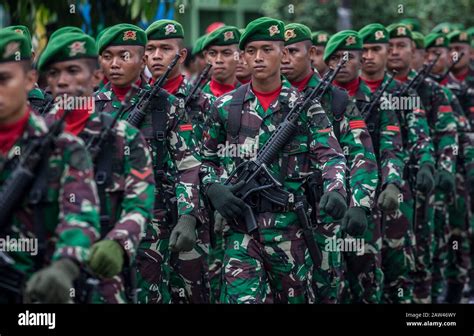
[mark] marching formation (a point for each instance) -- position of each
(269, 164)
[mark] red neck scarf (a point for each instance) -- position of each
(266, 98)
(245, 80)
(10, 133)
(301, 85)
(444, 81)
(121, 92)
(351, 87)
(75, 120)
(462, 76)
(373, 84)
(172, 85)
(402, 79)
(219, 89)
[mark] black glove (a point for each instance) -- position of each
(183, 236)
(424, 178)
(334, 204)
(355, 221)
(445, 181)
(224, 201)
(388, 199)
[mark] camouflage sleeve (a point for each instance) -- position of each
(391, 149)
(185, 154)
(78, 202)
(420, 145)
(325, 151)
(137, 203)
(446, 133)
(361, 161)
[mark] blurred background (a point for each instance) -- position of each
(44, 16)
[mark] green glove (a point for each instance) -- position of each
(219, 222)
(224, 201)
(106, 258)
(355, 221)
(52, 284)
(334, 204)
(388, 199)
(445, 181)
(183, 236)
(424, 178)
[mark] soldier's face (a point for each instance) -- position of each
(242, 71)
(418, 59)
(224, 60)
(160, 53)
(122, 65)
(264, 58)
(350, 70)
(72, 78)
(317, 59)
(296, 63)
(15, 83)
(455, 51)
(400, 53)
(443, 61)
(374, 58)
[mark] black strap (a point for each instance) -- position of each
(235, 113)
(339, 101)
(158, 121)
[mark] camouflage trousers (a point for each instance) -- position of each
(424, 248)
(397, 250)
(265, 272)
(327, 278)
(216, 258)
(363, 275)
(189, 281)
(110, 291)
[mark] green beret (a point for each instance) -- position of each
(69, 46)
(122, 34)
(165, 29)
(343, 40)
(444, 27)
(419, 40)
(436, 40)
(14, 47)
(320, 38)
(412, 24)
(23, 30)
(470, 31)
(459, 36)
(225, 35)
(374, 33)
(262, 29)
(197, 48)
(67, 29)
(296, 32)
(399, 30)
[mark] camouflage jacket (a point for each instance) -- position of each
(390, 152)
(313, 146)
(441, 121)
(129, 192)
(69, 205)
(464, 91)
(357, 147)
(38, 99)
(180, 162)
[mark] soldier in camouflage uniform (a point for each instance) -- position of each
(418, 58)
(64, 218)
(363, 274)
(319, 39)
(457, 263)
(175, 159)
(126, 195)
(271, 264)
(189, 269)
(356, 143)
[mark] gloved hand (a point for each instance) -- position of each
(52, 284)
(334, 204)
(219, 222)
(388, 199)
(424, 178)
(445, 181)
(224, 201)
(106, 258)
(355, 221)
(183, 236)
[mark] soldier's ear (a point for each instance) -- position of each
(312, 51)
(30, 79)
(97, 77)
(183, 53)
